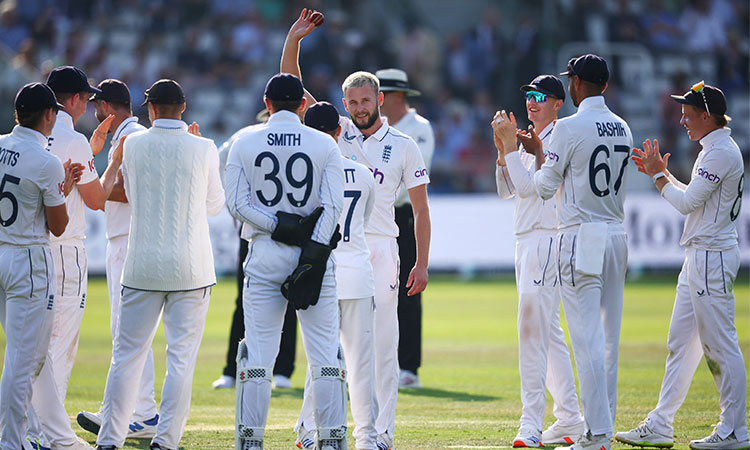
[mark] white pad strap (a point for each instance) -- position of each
(328, 372)
(244, 432)
(253, 372)
(337, 433)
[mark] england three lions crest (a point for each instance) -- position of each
(387, 153)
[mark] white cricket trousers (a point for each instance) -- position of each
(358, 342)
(267, 266)
(145, 404)
(384, 259)
(593, 307)
(184, 317)
(703, 325)
(543, 357)
(27, 286)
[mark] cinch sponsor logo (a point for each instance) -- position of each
(551, 155)
(708, 175)
(377, 173)
(420, 173)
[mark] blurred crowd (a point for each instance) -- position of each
(223, 51)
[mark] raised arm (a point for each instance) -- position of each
(308, 20)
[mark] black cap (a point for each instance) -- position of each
(69, 79)
(113, 91)
(715, 99)
(284, 87)
(590, 68)
(322, 116)
(36, 97)
(395, 80)
(165, 92)
(546, 84)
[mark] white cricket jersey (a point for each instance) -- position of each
(588, 155)
(419, 129)
(354, 276)
(394, 160)
(283, 165)
(66, 143)
(30, 179)
(117, 214)
(516, 180)
(713, 199)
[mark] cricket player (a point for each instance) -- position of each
(702, 321)
(355, 288)
(72, 89)
(115, 115)
(285, 182)
(394, 83)
(395, 161)
(33, 184)
(586, 160)
(171, 180)
(543, 355)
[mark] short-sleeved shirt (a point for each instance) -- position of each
(31, 178)
(354, 276)
(394, 160)
(66, 143)
(419, 129)
(117, 214)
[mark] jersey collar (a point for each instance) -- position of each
(715, 136)
(595, 102)
(121, 128)
(284, 116)
(382, 131)
(64, 118)
(170, 124)
(30, 134)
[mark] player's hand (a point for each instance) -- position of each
(117, 153)
(308, 20)
(498, 142)
(72, 175)
(504, 127)
(530, 140)
(649, 160)
(194, 129)
(100, 135)
(417, 281)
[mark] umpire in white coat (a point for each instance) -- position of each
(172, 184)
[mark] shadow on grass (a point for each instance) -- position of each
(450, 395)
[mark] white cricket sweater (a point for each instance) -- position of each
(172, 183)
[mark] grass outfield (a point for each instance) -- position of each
(470, 369)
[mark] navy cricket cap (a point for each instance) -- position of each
(715, 99)
(165, 92)
(113, 91)
(546, 84)
(590, 68)
(322, 116)
(69, 79)
(36, 97)
(284, 87)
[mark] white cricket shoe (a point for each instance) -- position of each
(140, 429)
(644, 436)
(562, 434)
(252, 444)
(714, 442)
(79, 444)
(408, 379)
(527, 438)
(384, 442)
(329, 444)
(223, 382)
(588, 441)
(305, 438)
(281, 382)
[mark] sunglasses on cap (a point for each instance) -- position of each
(537, 96)
(698, 88)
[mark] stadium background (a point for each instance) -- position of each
(468, 58)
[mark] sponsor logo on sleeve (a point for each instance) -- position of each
(421, 172)
(91, 166)
(552, 155)
(708, 175)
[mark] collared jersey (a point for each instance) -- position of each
(713, 198)
(117, 214)
(354, 276)
(30, 179)
(283, 165)
(394, 160)
(588, 155)
(66, 143)
(516, 180)
(419, 129)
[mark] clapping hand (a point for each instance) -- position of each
(649, 160)
(100, 135)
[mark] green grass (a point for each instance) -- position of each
(470, 369)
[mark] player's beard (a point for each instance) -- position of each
(100, 116)
(370, 120)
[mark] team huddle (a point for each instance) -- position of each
(317, 194)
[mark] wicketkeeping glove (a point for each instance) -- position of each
(302, 287)
(335, 238)
(293, 229)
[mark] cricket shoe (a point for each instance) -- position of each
(106, 447)
(36, 445)
(305, 438)
(251, 444)
(384, 442)
(329, 444)
(562, 434)
(644, 436)
(143, 429)
(156, 446)
(527, 438)
(79, 444)
(589, 441)
(714, 442)
(223, 382)
(281, 382)
(408, 379)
